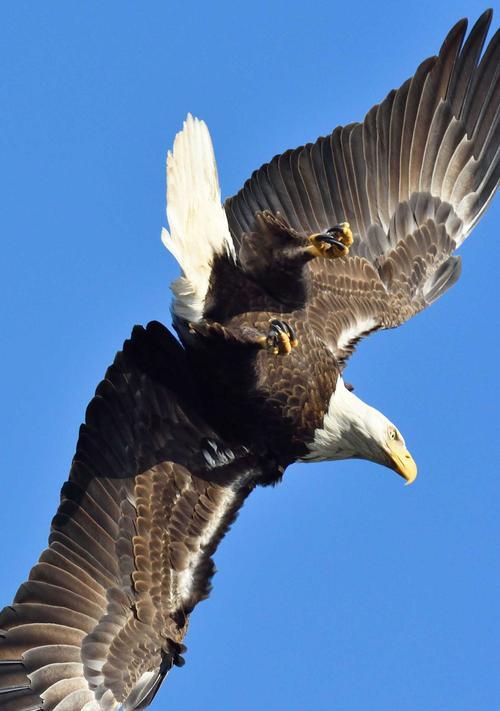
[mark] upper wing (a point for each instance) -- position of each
(152, 490)
(412, 180)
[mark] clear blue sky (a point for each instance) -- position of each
(340, 589)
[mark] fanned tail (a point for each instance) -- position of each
(198, 223)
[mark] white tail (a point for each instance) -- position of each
(197, 221)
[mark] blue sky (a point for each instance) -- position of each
(340, 588)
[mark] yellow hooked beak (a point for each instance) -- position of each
(401, 461)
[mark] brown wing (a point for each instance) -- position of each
(360, 297)
(412, 180)
(152, 490)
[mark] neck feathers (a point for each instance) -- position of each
(350, 429)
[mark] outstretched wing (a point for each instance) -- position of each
(151, 492)
(412, 180)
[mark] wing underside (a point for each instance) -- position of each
(412, 180)
(152, 489)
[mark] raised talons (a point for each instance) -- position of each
(332, 243)
(280, 339)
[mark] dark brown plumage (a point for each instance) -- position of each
(179, 433)
(412, 180)
(130, 545)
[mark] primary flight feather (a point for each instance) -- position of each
(322, 246)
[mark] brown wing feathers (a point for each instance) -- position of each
(129, 553)
(412, 180)
(419, 139)
(153, 487)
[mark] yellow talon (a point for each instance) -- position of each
(281, 338)
(285, 344)
(346, 236)
(333, 243)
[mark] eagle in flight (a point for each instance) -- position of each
(322, 246)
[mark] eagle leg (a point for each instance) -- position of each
(331, 244)
(280, 339)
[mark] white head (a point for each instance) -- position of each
(354, 430)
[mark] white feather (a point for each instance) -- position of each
(196, 217)
(351, 429)
(354, 331)
(141, 689)
(185, 578)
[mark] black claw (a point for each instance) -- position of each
(291, 332)
(330, 240)
(276, 327)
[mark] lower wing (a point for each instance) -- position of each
(151, 492)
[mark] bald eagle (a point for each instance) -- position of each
(324, 245)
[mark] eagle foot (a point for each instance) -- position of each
(280, 339)
(333, 243)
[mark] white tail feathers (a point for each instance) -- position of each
(197, 221)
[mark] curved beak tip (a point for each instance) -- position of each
(408, 471)
(403, 463)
